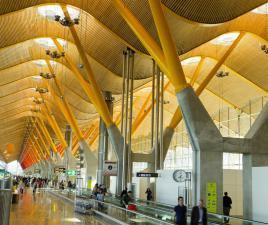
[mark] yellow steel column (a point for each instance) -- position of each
(197, 71)
(149, 43)
(42, 141)
(38, 147)
(35, 149)
(63, 104)
(92, 90)
(219, 64)
(177, 116)
(44, 130)
(53, 123)
(176, 74)
(69, 117)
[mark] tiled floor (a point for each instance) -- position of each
(44, 209)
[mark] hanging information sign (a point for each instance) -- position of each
(110, 168)
(147, 174)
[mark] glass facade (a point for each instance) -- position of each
(231, 123)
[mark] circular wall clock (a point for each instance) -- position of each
(179, 175)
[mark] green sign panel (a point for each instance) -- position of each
(4, 174)
(71, 172)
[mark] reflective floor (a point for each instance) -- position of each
(44, 209)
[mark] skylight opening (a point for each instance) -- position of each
(263, 9)
(191, 60)
(40, 63)
(225, 39)
(48, 42)
(50, 11)
(36, 78)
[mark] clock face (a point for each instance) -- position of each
(179, 175)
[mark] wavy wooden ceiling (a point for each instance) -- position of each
(104, 35)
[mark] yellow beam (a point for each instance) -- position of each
(197, 71)
(35, 149)
(144, 111)
(38, 146)
(53, 123)
(148, 42)
(44, 130)
(177, 115)
(219, 64)
(40, 137)
(92, 89)
(64, 106)
(176, 74)
(69, 117)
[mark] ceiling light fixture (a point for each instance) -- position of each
(55, 54)
(47, 75)
(50, 11)
(222, 74)
(65, 21)
(38, 101)
(41, 90)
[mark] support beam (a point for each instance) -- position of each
(177, 116)
(176, 74)
(91, 89)
(197, 71)
(53, 123)
(93, 92)
(44, 130)
(148, 42)
(64, 106)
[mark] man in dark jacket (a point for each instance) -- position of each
(199, 214)
(227, 202)
(126, 199)
(181, 212)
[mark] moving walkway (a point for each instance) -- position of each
(149, 212)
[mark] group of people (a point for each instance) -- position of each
(198, 216)
(199, 212)
(20, 183)
(98, 193)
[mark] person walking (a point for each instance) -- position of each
(199, 214)
(149, 194)
(127, 198)
(227, 205)
(181, 212)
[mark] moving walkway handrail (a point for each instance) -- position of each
(168, 210)
(130, 211)
(147, 206)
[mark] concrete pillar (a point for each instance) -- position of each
(206, 142)
(250, 161)
(257, 158)
(91, 163)
(117, 142)
(69, 160)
